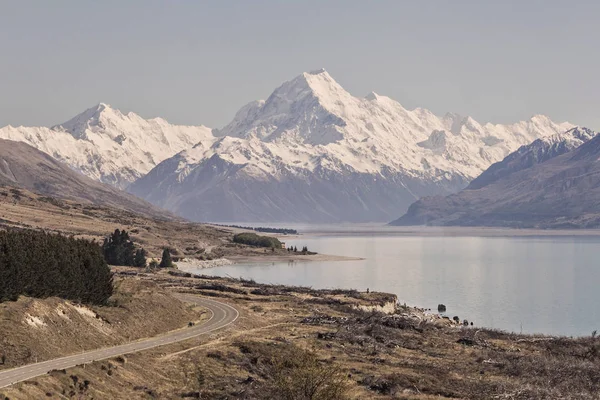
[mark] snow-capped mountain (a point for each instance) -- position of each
(550, 183)
(537, 152)
(313, 152)
(109, 146)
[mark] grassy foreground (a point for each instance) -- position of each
(299, 343)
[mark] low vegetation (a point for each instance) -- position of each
(289, 372)
(39, 264)
(252, 239)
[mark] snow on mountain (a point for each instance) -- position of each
(315, 113)
(313, 152)
(110, 146)
(550, 183)
(537, 152)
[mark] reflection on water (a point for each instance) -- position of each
(529, 284)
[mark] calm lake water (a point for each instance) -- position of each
(523, 284)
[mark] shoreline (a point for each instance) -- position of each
(439, 231)
(247, 259)
(376, 229)
(192, 264)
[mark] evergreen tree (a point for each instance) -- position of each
(165, 261)
(39, 264)
(118, 249)
(140, 258)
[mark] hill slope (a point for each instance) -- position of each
(552, 183)
(22, 166)
(109, 146)
(312, 152)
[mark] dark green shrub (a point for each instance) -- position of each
(165, 261)
(252, 239)
(140, 258)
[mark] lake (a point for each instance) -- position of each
(529, 284)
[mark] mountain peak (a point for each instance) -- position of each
(372, 96)
(92, 117)
(539, 117)
(318, 81)
(317, 71)
(312, 106)
(320, 85)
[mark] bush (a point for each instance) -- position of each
(252, 239)
(292, 373)
(304, 377)
(39, 264)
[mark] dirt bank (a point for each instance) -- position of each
(39, 329)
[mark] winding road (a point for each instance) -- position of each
(222, 315)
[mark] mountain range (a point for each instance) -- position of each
(553, 182)
(109, 146)
(311, 152)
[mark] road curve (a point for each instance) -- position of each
(222, 315)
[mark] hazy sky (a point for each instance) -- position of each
(198, 62)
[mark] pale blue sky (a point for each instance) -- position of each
(198, 62)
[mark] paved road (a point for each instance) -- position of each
(222, 315)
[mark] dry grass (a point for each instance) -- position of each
(287, 337)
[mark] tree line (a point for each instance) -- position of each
(40, 264)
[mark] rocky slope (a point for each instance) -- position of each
(23, 166)
(552, 183)
(109, 146)
(312, 152)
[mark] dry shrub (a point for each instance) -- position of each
(289, 372)
(303, 377)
